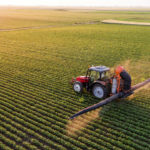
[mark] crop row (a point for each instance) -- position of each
(59, 107)
(10, 142)
(38, 124)
(4, 146)
(106, 144)
(19, 125)
(32, 112)
(37, 89)
(16, 110)
(113, 135)
(35, 127)
(30, 94)
(14, 98)
(121, 128)
(141, 128)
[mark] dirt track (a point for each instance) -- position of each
(25, 28)
(111, 21)
(49, 26)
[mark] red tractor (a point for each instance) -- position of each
(99, 82)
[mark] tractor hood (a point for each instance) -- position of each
(83, 79)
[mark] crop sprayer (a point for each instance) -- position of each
(102, 85)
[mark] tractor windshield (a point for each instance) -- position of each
(94, 75)
(105, 75)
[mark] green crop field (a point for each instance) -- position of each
(36, 66)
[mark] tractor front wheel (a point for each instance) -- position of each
(99, 91)
(78, 87)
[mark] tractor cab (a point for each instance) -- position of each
(100, 73)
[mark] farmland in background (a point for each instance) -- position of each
(36, 66)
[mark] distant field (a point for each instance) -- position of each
(15, 18)
(36, 66)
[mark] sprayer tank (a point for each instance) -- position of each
(114, 86)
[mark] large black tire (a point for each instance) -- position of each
(78, 87)
(100, 91)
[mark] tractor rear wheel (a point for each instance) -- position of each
(78, 87)
(99, 91)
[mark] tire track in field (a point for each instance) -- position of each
(49, 26)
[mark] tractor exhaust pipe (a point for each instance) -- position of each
(108, 100)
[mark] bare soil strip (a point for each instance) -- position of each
(49, 26)
(111, 21)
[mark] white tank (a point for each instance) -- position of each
(114, 86)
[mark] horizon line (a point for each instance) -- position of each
(75, 6)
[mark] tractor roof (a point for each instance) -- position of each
(99, 68)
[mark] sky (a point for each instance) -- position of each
(99, 3)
